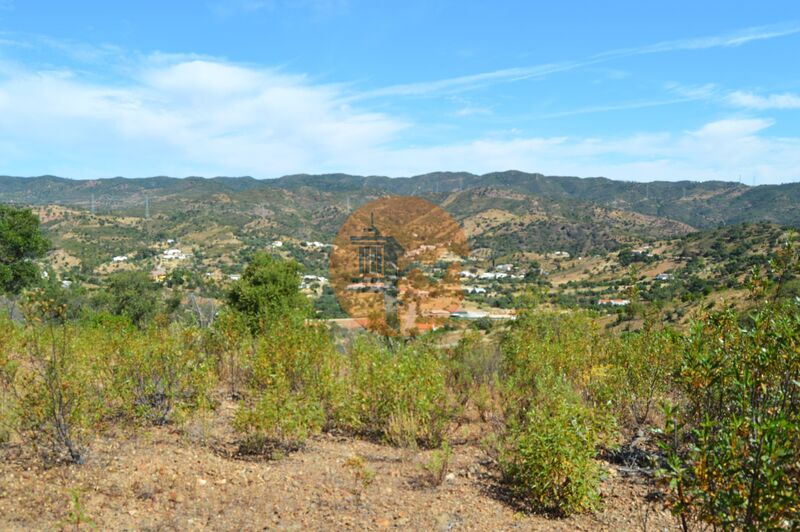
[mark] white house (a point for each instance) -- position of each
(469, 314)
(663, 277)
(235, 277)
(277, 244)
(504, 267)
(66, 283)
(474, 289)
(119, 258)
(614, 302)
(174, 254)
(466, 274)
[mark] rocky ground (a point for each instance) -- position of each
(188, 478)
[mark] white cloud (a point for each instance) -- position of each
(199, 116)
(720, 150)
(749, 100)
(183, 115)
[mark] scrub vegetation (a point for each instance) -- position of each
(559, 395)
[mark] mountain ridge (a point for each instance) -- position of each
(700, 204)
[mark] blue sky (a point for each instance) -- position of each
(628, 90)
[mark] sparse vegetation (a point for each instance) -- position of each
(554, 394)
(438, 464)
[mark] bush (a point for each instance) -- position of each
(9, 346)
(473, 367)
(53, 407)
(158, 373)
(557, 397)
(397, 394)
(548, 458)
(230, 344)
(734, 440)
(294, 388)
(569, 345)
(133, 295)
(438, 464)
(645, 363)
(21, 242)
(61, 382)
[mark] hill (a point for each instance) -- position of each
(697, 204)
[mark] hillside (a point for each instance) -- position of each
(697, 204)
(96, 220)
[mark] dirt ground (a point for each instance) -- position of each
(188, 479)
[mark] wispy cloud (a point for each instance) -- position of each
(471, 110)
(750, 100)
(727, 40)
(228, 8)
(472, 81)
(463, 83)
(620, 106)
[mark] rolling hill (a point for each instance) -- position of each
(503, 213)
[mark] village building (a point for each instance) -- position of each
(158, 274)
(174, 254)
(614, 302)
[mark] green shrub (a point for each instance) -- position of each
(134, 295)
(734, 439)
(21, 242)
(398, 394)
(645, 363)
(438, 464)
(9, 347)
(231, 345)
(294, 389)
(158, 373)
(569, 345)
(62, 381)
(558, 381)
(473, 367)
(548, 457)
(54, 407)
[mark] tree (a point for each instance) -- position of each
(21, 242)
(133, 295)
(268, 289)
